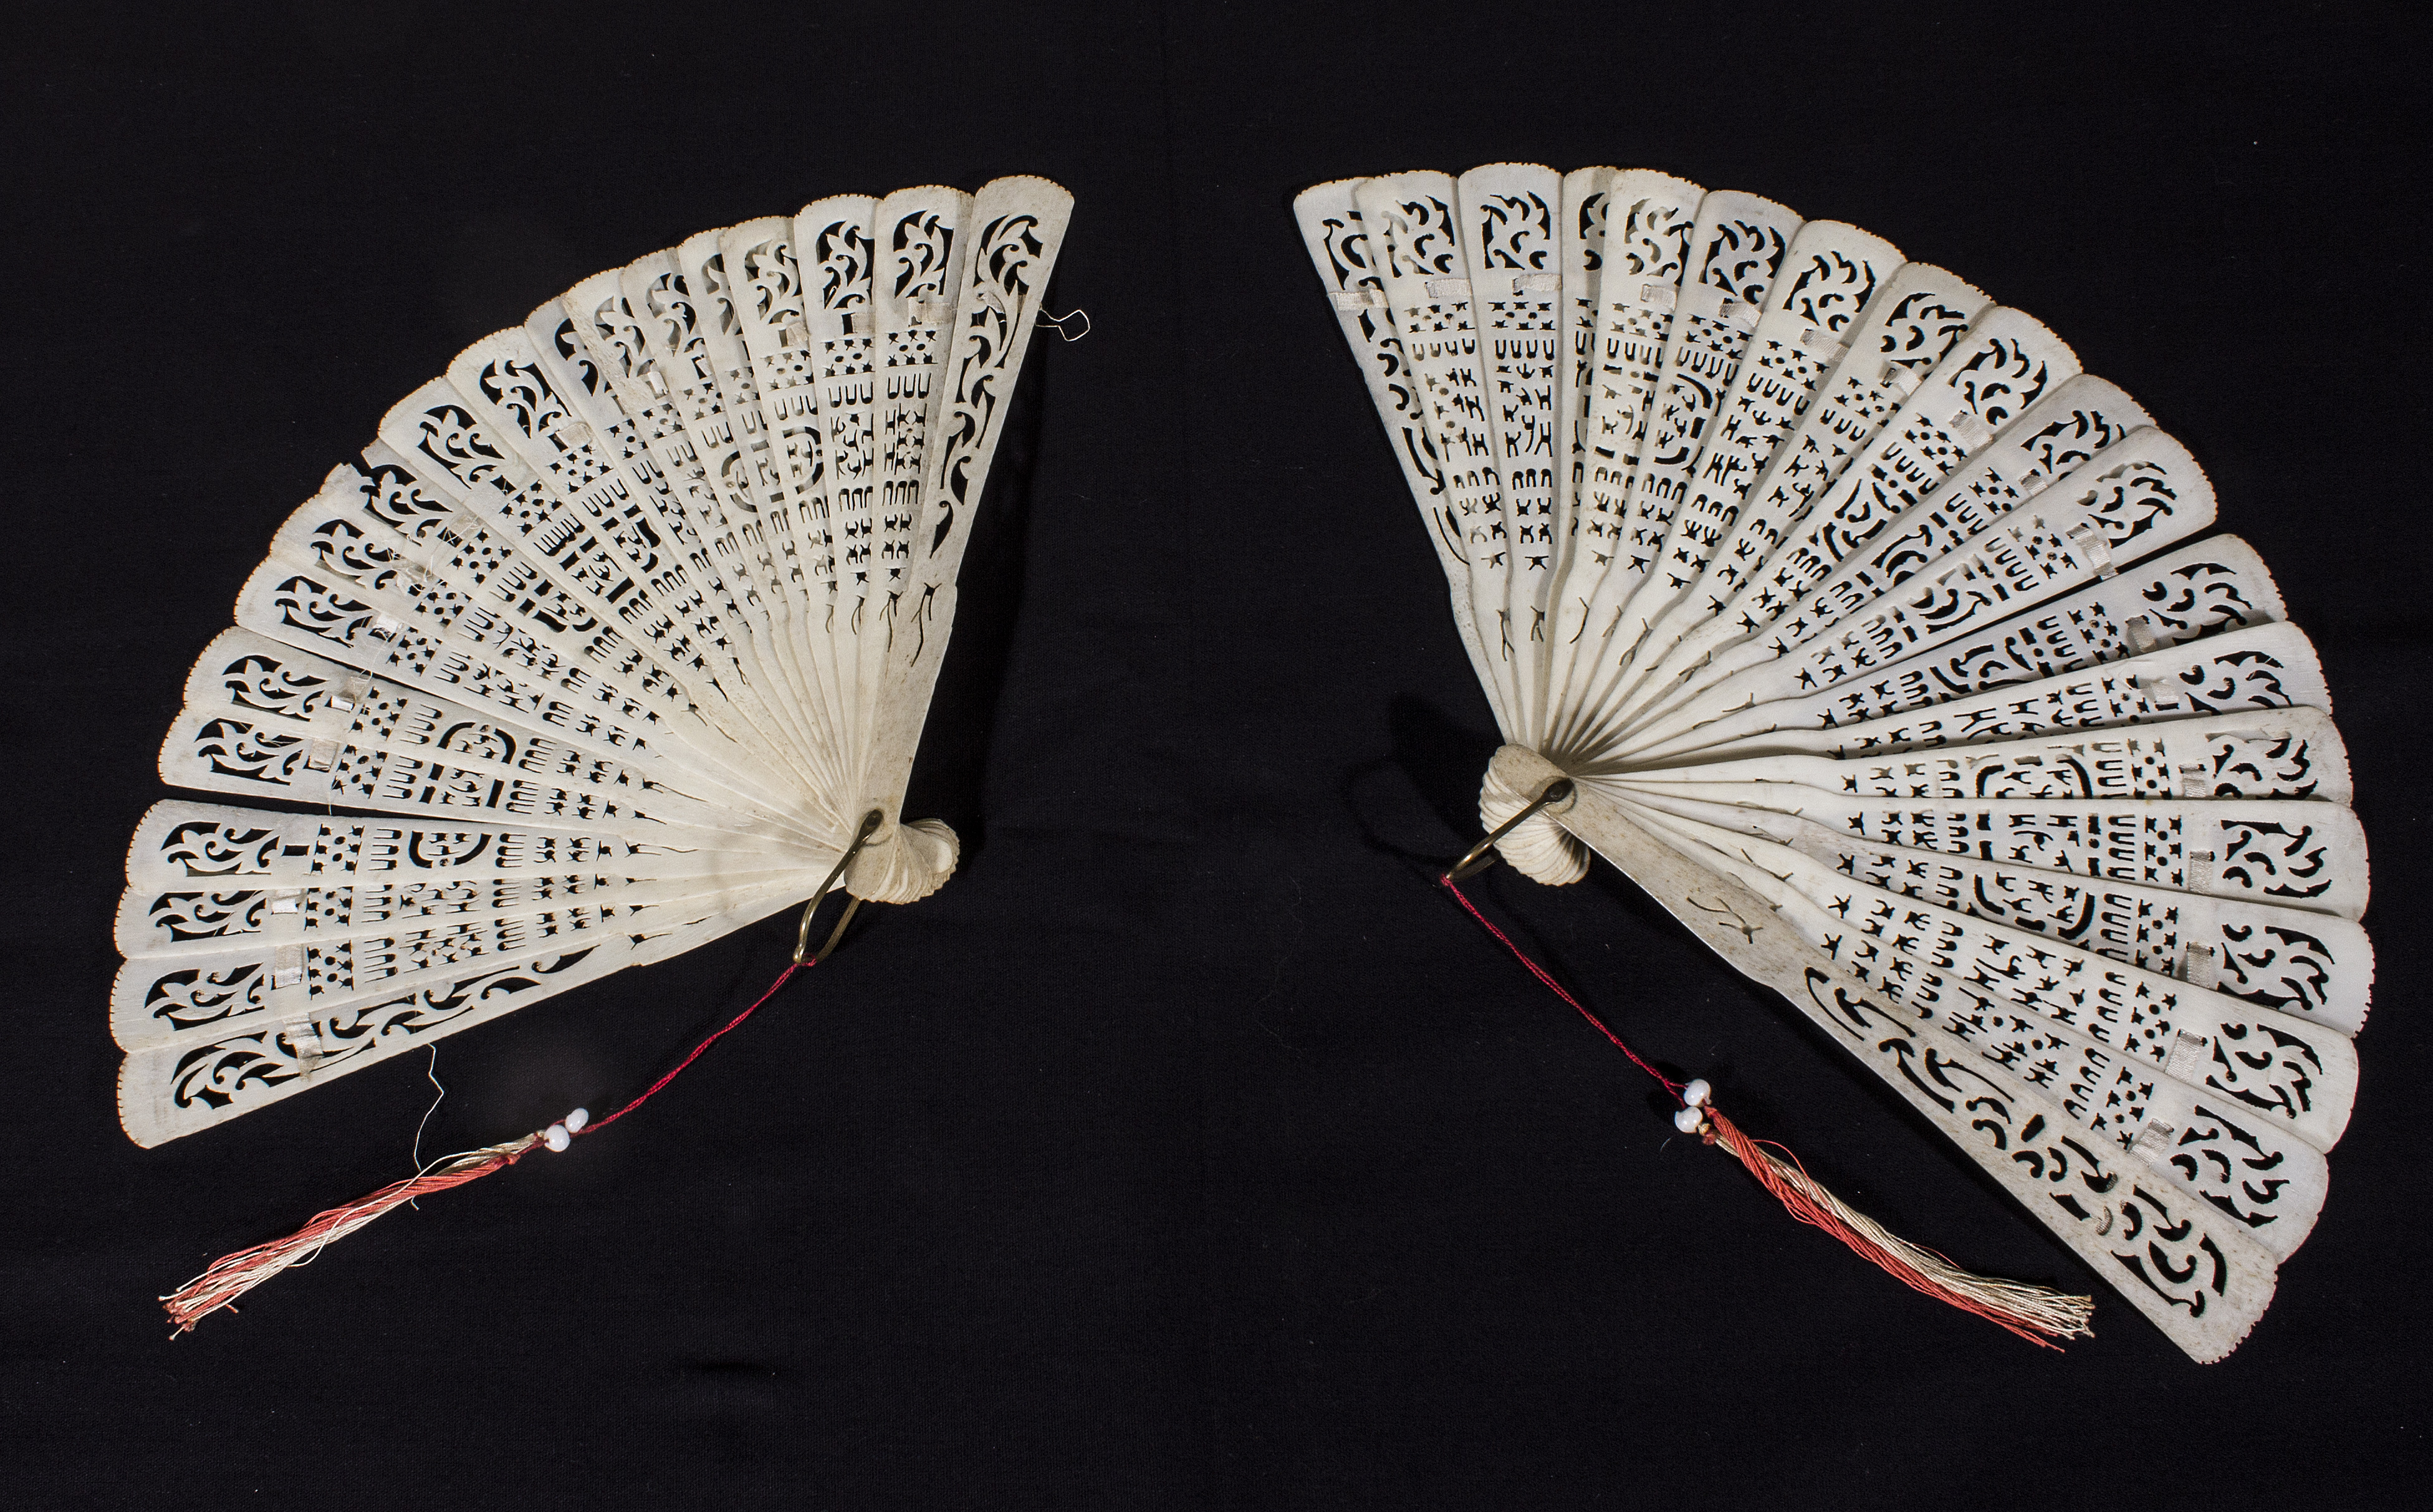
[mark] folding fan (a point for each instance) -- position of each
(1835, 604)
(620, 637)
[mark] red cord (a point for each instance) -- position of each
(1556, 988)
(783, 977)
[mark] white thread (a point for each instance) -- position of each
(431, 1071)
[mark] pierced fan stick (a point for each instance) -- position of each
(1833, 275)
(789, 532)
(2100, 1031)
(924, 260)
(2287, 752)
(833, 243)
(1967, 417)
(1414, 238)
(1349, 260)
(1650, 221)
(1513, 251)
(229, 1063)
(1736, 250)
(266, 721)
(637, 369)
(227, 1279)
(1953, 563)
(1017, 227)
(1586, 201)
(2310, 856)
(2269, 667)
(2314, 965)
(1826, 276)
(1903, 335)
(163, 1001)
(623, 570)
(2101, 628)
(718, 406)
(1788, 444)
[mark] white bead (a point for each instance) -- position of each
(1696, 1094)
(555, 1136)
(1688, 1120)
(576, 1120)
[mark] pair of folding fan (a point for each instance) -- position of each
(1795, 572)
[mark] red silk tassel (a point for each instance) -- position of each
(231, 1276)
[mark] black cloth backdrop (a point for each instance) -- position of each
(1186, 1150)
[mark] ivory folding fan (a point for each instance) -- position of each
(1828, 599)
(620, 637)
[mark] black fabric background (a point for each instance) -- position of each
(1185, 1150)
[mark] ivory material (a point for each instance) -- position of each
(608, 643)
(1865, 597)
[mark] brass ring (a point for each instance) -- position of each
(869, 823)
(1482, 856)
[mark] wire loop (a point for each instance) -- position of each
(1482, 856)
(869, 823)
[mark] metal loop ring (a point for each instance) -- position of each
(1482, 856)
(869, 823)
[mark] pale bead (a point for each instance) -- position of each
(576, 1120)
(1688, 1120)
(555, 1136)
(1696, 1094)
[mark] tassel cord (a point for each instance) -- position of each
(653, 1090)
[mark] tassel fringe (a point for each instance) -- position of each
(2036, 1314)
(231, 1276)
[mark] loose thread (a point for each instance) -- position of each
(432, 1073)
(2036, 1314)
(231, 1276)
